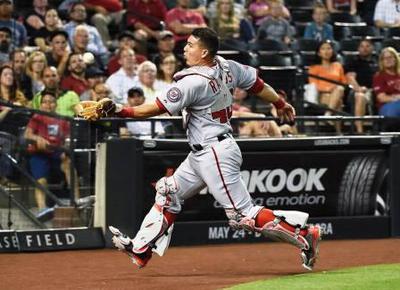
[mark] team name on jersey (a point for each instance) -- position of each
(215, 87)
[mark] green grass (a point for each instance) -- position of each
(377, 277)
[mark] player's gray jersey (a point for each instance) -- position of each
(206, 94)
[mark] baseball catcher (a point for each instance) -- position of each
(204, 92)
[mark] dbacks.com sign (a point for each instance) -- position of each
(277, 180)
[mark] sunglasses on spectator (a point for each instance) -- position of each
(5, 2)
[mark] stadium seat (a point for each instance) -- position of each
(344, 18)
(239, 56)
(302, 16)
(266, 58)
(307, 58)
(282, 78)
(395, 43)
(233, 44)
(393, 32)
(370, 32)
(299, 4)
(268, 45)
(300, 27)
(349, 45)
(305, 44)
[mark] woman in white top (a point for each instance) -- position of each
(167, 68)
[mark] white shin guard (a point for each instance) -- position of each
(274, 229)
(154, 231)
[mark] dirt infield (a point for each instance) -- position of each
(206, 267)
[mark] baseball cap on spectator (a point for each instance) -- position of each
(166, 33)
(93, 71)
(126, 33)
(58, 32)
(135, 92)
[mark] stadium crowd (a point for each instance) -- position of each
(128, 50)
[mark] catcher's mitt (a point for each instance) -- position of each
(91, 110)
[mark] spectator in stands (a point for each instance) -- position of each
(18, 31)
(319, 29)
(59, 51)
(181, 21)
(331, 94)
(386, 83)
(67, 101)
(105, 13)
(340, 6)
(18, 59)
(46, 136)
(276, 27)
(8, 88)
(387, 13)
(95, 43)
(81, 42)
(94, 76)
(76, 80)
(101, 91)
(147, 72)
(167, 68)
(51, 23)
(5, 44)
(34, 69)
(361, 69)
(360, 72)
(35, 17)
(260, 10)
(148, 16)
(141, 129)
(126, 77)
(125, 40)
(166, 46)
(238, 9)
(229, 25)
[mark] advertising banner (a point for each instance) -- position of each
(322, 183)
(219, 232)
(51, 240)
(8, 242)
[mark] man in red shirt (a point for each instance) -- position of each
(106, 12)
(182, 21)
(76, 80)
(47, 136)
(146, 15)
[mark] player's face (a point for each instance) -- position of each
(193, 51)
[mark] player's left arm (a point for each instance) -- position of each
(141, 112)
(285, 111)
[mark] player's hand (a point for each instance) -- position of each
(286, 114)
(284, 111)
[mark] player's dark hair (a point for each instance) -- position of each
(209, 38)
